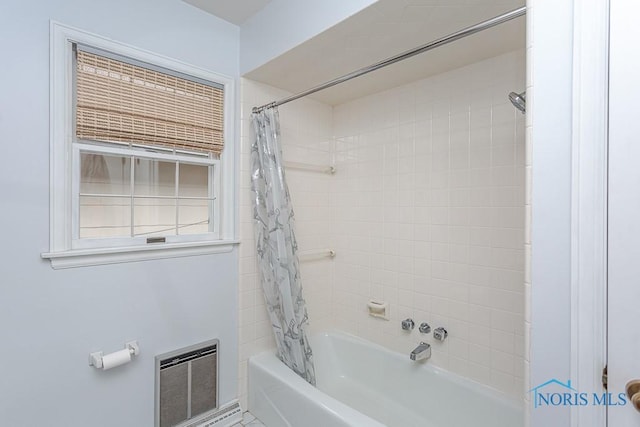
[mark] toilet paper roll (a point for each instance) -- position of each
(116, 359)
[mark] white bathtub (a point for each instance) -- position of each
(361, 384)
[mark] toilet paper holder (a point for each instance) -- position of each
(96, 358)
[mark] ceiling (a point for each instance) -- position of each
(385, 29)
(234, 11)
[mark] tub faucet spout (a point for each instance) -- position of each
(421, 352)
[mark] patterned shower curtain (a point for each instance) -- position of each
(277, 247)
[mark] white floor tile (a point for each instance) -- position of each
(247, 417)
(249, 420)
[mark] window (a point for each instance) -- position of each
(147, 145)
(139, 164)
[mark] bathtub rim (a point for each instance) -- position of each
(462, 381)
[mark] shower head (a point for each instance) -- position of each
(519, 100)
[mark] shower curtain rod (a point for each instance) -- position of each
(402, 56)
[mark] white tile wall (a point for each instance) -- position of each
(428, 211)
(306, 137)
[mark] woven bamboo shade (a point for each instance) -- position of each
(125, 103)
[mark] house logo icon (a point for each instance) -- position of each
(538, 394)
(556, 393)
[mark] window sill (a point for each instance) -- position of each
(88, 257)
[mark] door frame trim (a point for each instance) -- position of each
(589, 204)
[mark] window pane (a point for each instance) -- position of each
(193, 181)
(154, 178)
(154, 217)
(193, 216)
(107, 176)
(102, 217)
(156, 211)
(103, 174)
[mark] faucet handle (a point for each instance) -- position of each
(424, 328)
(440, 333)
(408, 324)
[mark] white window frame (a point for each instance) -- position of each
(64, 250)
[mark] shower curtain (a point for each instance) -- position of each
(277, 247)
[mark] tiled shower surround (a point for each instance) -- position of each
(425, 212)
(428, 214)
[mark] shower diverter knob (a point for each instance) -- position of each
(424, 328)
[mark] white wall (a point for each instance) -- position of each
(428, 215)
(306, 128)
(527, 226)
(51, 320)
(549, 97)
(284, 24)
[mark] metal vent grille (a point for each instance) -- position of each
(186, 384)
(220, 418)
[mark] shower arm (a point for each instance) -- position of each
(402, 56)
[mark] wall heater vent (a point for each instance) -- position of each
(187, 385)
